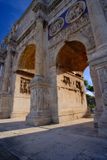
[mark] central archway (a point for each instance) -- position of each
(24, 74)
(71, 62)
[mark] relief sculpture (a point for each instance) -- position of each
(70, 16)
(75, 11)
(24, 86)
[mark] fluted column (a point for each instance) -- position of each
(39, 70)
(39, 111)
(99, 58)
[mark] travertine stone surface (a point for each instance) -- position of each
(46, 53)
(99, 23)
(40, 109)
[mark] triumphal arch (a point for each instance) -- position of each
(43, 58)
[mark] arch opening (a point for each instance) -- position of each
(27, 60)
(71, 62)
(24, 74)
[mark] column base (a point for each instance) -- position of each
(5, 105)
(38, 118)
(97, 117)
(102, 130)
(40, 111)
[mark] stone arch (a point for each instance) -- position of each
(24, 73)
(26, 59)
(76, 37)
(75, 51)
(71, 61)
(79, 37)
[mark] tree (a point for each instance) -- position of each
(90, 98)
(88, 87)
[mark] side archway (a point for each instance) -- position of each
(72, 56)
(24, 73)
(27, 59)
(71, 62)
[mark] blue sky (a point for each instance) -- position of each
(10, 12)
(87, 75)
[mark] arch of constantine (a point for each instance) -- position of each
(43, 58)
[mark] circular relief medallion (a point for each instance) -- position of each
(56, 26)
(75, 11)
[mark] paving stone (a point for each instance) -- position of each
(75, 140)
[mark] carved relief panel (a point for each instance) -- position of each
(75, 17)
(72, 87)
(24, 85)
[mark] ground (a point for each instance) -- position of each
(77, 140)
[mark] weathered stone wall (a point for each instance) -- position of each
(21, 102)
(62, 100)
(1, 74)
(71, 97)
(104, 6)
(49, 26)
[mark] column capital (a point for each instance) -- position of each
(41, 17)
(39, 5)
(10, 42)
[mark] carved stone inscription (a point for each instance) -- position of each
(24, 86)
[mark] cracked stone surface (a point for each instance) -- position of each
(76, 140)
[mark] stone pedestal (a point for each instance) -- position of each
(40, 111)
(103, 125)
(99, 60)
(5, 105)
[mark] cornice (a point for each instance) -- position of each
(40, 5)
(53, 5)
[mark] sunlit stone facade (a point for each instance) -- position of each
(43, 58)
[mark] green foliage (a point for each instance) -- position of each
(86, 83)
(90, 99)
(88, 87)
(90, 102)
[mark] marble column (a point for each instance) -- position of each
(39, 111)
(99, 58)
(5, 104)
(39, 70)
